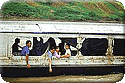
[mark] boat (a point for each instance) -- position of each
(96, 48)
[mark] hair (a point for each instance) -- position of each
(68, 45)
(17, 40)
(57, 47)
(51, 48)
(27, 41)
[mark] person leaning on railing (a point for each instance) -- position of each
(68, 52)
(25, 51)
(50, 53)
(56, 52)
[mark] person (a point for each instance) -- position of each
(25, 51)
(61, 46)
(15, 50)
(50, 53)
(57, 53)
(68, 52)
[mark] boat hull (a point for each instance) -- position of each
(44, 71)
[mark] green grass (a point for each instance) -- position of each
(119, 3)
(111, 6)
(0, 10)
(71, 11)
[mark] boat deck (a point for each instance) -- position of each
(73, 61)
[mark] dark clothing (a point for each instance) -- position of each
(61, 47)
(15, 48)
(52, 42)
(38, 47)
(37, 43)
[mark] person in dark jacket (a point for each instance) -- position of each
(15, 46)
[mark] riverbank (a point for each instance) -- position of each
(111, 78)
(64, 11)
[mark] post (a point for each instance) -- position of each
(110, 47)
(109, 52)
(79, 45)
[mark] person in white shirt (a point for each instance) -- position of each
(68, 52)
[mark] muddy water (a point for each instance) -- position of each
(111, 78)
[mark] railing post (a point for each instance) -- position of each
(109, 52)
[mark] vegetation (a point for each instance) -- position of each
(72, 11)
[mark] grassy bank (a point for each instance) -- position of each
(70, 11)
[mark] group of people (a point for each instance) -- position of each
(51, 52)
(55, 52)
(24, 52)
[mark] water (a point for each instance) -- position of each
(111, 78)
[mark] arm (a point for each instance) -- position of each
(50, 69)
(49, 56)
(27, 61)
(19, 46)
(66, 56)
